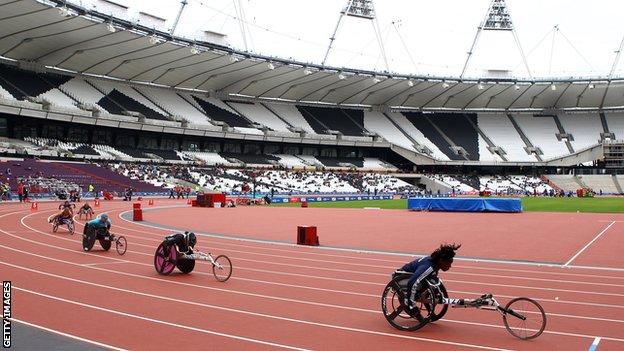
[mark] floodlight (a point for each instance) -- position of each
(591, 86)
(110, 27)
(376, 79)
(517, 87)
(270, 65)
(194, 50)
(553, 87)
(153, 39)
(480, 86)
(307, 71)
(233, 58)
(410, 83)
(341, 76)
(445, 85)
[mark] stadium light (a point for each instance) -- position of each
(553, 87)
(153, 39)
(376, 79)
(270, 65)
(480, 86)
(233, 58)
(445, 85)
(110, 27)
(64, 11)
(194, 50)
(591, 86)
(307, 71)
(517, 87)
(410, 83)
(341, 76)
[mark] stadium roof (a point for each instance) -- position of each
(84, 41)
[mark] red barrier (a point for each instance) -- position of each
(137, 212)
(306, 235)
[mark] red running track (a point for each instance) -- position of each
(286, 297)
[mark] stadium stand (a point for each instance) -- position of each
(615, 121)
(428, 125)
(176, 104)
(220, 112)
(22, 84)
(260, 114)
(542, 132)
(380, 124)
(584, 128)
(324, 119)
(502, 133)
(403, 123)
(291, 115)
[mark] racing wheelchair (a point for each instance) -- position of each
(58, 222)
(91, 234)
(523, 317)
(167, 258)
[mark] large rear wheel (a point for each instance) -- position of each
(396, 312)
(88, 238)
(165, 258)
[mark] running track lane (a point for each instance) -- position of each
(294, 254)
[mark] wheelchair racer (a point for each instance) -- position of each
(65, 216)
(101, 225)
(427, 268)
(87, 210)
(184, 242)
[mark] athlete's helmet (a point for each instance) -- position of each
(104, 217)
(191, 239)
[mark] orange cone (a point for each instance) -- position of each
(34, 206)
(188, 201)
(151, 202)
(97, 202)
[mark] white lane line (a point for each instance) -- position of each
(589, 243)
(350, 271)
(71, 336)
(181, 326)
(101, 263)
(365, 251)
(265, 296)
(330, 326)
(594, 344)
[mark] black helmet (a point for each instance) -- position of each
(191, 239)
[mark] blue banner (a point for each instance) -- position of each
(455, 204)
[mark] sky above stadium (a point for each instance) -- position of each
(420, 36)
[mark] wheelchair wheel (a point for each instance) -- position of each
(55, 227)
(105, 244)
(394, 309)
(71, 227)
(165, 258)
(88, 238)
(121, 245)
(439, 310)
(524, 318)
(185, 265)
(222, 269)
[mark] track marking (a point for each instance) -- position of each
(366, 251)
(265, 296)
(589, 243)
(181, 326)
(346, 271)
(100, 263)
(71, 336)
(594, 344)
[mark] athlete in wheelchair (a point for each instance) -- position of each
(65, 217)
(99, 229)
